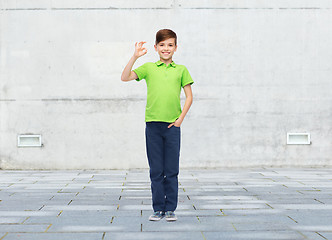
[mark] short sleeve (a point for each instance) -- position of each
(141, 72)
(186, 78)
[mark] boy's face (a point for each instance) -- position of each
(166, 49)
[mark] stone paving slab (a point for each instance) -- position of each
(251, 235)
(153, 236)
(54, 236)
(261, 203)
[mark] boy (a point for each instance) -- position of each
(163, 117)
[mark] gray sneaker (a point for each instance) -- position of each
(170, 216)
(156, 216)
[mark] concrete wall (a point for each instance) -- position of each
(261, 68)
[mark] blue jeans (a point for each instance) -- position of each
(163, 151)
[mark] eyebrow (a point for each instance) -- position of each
(167, 43)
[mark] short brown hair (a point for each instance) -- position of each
(165, 34)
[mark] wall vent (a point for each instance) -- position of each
(298, 138)
(28, 140)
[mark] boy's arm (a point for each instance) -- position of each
(127, 73)
(187, 104)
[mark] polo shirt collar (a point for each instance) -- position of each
(159, 63)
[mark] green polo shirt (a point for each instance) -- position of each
(163, 89)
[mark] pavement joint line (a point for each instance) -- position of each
(194, 207)
(120, 197)
(269, 205)
(188, 197)
(299, 192)
(117, 208)
(10, 224)
(245, 189)
(222, 212)
(25, 220)
(315, 232)
(103, 237)
(318, 201)
(51, 197)
(59, 213)
(305, 237)
(48, 227)
(234, 226)
(28, 224)
(284, 185)
(141, 213)
(4, 236)
(292, 219)
(70, 202)
(112, 219)
(41, 207)
(198, 219)
(77, 194)
(203, 235)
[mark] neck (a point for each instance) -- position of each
(168, 61)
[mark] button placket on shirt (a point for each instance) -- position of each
(165, 70)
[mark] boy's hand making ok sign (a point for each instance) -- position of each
(140, 50)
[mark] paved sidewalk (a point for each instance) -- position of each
(213, 204)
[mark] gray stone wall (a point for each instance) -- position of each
(261, 69)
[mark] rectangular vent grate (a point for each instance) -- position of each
(298, 138)
(29, 141)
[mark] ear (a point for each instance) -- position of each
(176, 47)
(155, 47)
